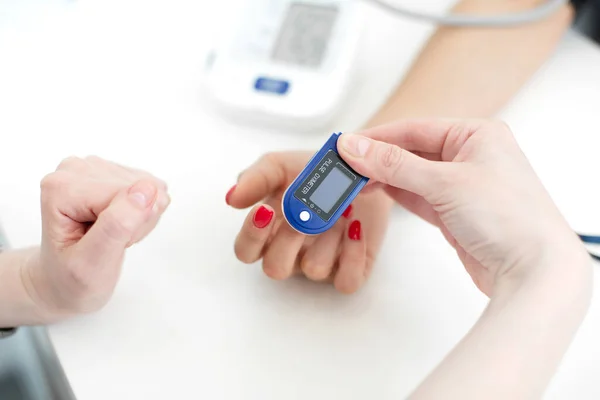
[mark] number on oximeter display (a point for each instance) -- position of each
(322, 191)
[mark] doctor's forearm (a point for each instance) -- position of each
(470, 72)
(514, 349)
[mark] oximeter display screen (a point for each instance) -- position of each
(327, 185)
(304, 34)
(331, 189)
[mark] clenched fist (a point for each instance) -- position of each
(92, 211)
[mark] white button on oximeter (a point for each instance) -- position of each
(304, 216)
(322, 191)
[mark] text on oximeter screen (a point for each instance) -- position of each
(325, 188)
(330, 190)
(304, 34)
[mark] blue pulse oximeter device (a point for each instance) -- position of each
(321, 193)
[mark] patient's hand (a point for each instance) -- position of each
(343, 255)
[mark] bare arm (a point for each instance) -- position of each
(470, 72)
(510, 237)
(513, 351)
(514, 348)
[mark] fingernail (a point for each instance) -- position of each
(356, 145)
(262, 217)
(348, 212)
(229, 193)
(142, 194)
(354, 230)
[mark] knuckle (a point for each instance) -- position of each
(391, 156)
(391, 159)
(71, 163)
(500, 129)
(48, 182)
(242, 254)
(253, 236)
(270, 166)
(94, 159)
(458, 132)
(116, 228)
(501, 125)
(313, 270)
(159, 183)
(269, 171)
(146, 176)
(272, 270)
(345, 286)
(457, 135)
(164, 200)
(270, 158)
(54, 181)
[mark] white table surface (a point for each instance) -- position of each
(120, 78)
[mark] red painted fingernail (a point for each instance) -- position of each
(354, 230)
(229, 193)
(348, 212)
(262, 217)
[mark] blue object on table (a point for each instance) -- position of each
(322, 191)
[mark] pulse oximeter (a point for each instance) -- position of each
(322, 191)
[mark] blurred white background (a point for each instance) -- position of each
(122, 79)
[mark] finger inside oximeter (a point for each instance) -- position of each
(322, 191)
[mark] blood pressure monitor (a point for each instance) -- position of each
(287, 62)
(322, 191)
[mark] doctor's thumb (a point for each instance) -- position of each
(389, 164)
(117, 225)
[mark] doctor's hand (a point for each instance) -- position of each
(471, 180)
(343, 255)
(92, 211)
